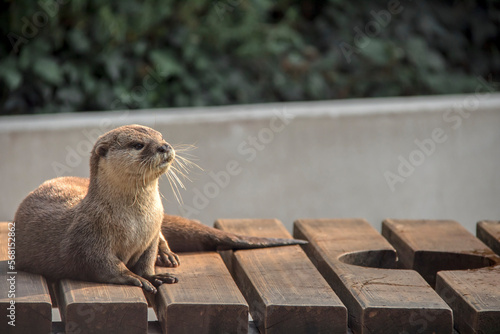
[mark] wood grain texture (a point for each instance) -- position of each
(439, 246)
(429, 246)
(356, 261)
(205, 300)
(285, 291)
(489, 233)
(88, 307)
(474, 297)
(33, 308)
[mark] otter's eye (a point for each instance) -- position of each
(137, 146)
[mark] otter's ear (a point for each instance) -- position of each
(101, 149)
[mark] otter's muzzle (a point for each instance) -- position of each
(168, 151)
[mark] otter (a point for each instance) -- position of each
(108, 228)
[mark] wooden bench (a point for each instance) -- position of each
(348, 278)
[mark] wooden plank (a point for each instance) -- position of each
(32, 308)
(153, 328)
(285, 291)
(489, 233)
(474, 297)
(205, 300)
(88, 307)
(429, 246)
(356, 261)
(438, 246)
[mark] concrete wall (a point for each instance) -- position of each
(423, 157)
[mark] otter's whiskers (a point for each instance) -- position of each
(182, 166)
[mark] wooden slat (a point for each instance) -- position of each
(88, 307)
(356, 260)
(474, 297)
(429, 246)
(285, 291)
(489, 233)
(205, 300)
(33, 308)
(436, 246)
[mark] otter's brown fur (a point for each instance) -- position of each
(185, 235)
(106, 229)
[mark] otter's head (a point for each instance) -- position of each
(131, 152)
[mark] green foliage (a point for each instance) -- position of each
(77, 55)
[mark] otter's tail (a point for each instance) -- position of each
(185, 235)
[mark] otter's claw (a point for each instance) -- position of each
(167, 259)
(159, 279)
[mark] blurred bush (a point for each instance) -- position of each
(81, 55)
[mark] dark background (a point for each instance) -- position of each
(76, 55)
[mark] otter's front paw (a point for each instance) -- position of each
(159, 279)
(167, 258)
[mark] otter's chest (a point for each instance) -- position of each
(137, 233)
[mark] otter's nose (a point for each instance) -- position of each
(165, 149)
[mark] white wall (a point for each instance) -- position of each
(306, 160)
